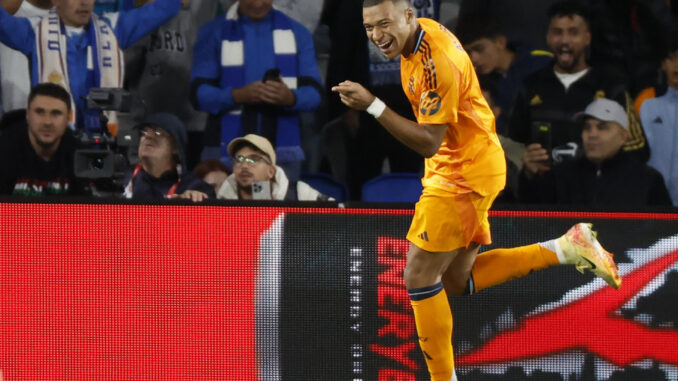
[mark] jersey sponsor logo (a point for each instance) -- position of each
(430, 103)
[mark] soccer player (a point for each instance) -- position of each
(465, 169)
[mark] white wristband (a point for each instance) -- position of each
(376, 108)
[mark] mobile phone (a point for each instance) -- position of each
(261, 190)
(272, 75)
(541, 133)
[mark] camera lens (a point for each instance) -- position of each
(97, 163)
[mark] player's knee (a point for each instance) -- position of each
(455, 286)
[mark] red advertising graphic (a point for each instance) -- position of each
(125, 292)
(223, 292)
(395, 310)
(589, 319)
(586, 320)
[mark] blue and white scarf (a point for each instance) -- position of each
(102, 49)
(282, 128)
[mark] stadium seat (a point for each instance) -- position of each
(393, 187)
(327, 185)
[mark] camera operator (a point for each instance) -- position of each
(161, 172)
(36, 158)
(605, 175)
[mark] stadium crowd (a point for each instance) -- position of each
(232, 99)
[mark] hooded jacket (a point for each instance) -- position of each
(143, 185)
(280, 189)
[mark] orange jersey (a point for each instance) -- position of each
(442, 86)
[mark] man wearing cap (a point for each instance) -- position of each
(161, 172)
(605, 175)
(255, 173)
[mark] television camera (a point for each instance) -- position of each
(103, 159)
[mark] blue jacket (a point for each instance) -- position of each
(18, 34)
(206, 92)
(659, 117)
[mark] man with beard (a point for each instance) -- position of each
(36, 157)
(254, 167)
(543, 110)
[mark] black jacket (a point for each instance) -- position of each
(543, 98)
(145, 186)
(620, 181)
(23, 172)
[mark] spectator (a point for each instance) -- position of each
(501, 65)
(160, 64)
(605, 175)
(15, 79)
(161, 172)
(254, 165)
(628, 38)
(228, 84)
(522, 20)
(550, 96)
(660, 120)
(213, 172)
(88, 39)
(36, 158)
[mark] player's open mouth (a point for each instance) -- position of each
(385, 46)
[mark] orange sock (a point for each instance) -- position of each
(433, 319)
(502, 265)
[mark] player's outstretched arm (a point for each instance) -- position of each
(425, 139)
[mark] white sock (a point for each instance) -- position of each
(554, 247)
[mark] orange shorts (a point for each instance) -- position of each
(445, 222)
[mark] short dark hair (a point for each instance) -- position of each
(569, 8)
(204, 167)
(51, 90)
(371, 3)
(478, 25)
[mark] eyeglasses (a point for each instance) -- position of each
(250, 160)
(148, 131)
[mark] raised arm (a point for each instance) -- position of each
(133, 25)
(425, 139)
(17, 33)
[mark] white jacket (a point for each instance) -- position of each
(279, 186)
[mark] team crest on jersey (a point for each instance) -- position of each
(410, 85)
(430, 103)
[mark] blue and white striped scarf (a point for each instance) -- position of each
(281, 128)
(105, 66)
